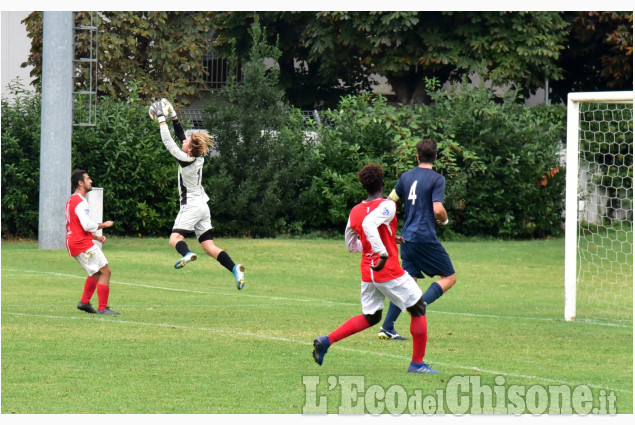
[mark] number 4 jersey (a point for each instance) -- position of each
(419, 188)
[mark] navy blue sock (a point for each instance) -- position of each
(391, 316)
(433, 292)
(182, 248)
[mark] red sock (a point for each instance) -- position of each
(419, 331)
(89, 289)
(351, 326)
(102, 296)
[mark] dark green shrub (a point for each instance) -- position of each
(255, 182)
(499, 159)
(20, 162)
(124, 154)
(520, 191)
(496, 155)
(355, 136)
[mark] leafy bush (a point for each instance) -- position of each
(20, 162)
(356, 135)
(519, 191)
(500, 158)
(367, 129)
(124, 154)
(263, 163)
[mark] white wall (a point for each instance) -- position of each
(15, 50)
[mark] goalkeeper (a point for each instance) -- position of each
(194, 215)
(421, 252)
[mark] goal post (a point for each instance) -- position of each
(599, 205)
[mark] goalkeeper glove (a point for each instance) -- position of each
(168, 109)
(156, 112)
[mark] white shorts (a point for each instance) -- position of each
(92, 260)
(193, 218)
(403, 292)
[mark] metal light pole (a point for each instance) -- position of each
(56, 127)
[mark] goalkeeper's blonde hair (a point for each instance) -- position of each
(201, 143)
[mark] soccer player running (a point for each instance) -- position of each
(194, 215)
(371, 230)
(423, 191)
(80, 233)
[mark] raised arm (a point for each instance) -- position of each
(178, 129)
(171, 145)
(158, 111)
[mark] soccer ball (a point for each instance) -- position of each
(166, 108)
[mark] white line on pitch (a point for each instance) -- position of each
(304, 300)
(352, 350)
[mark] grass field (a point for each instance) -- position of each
(188, 342)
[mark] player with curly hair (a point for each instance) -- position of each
(371, 230)
(194, 215)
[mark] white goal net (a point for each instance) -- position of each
(599, 207)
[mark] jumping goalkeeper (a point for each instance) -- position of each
(194, 215)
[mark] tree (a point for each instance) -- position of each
(154, 53)
(263, 161)
(307, 84)
(598, 54)
(405, 47)
(341, 51)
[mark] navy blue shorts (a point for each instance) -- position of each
(430, 258)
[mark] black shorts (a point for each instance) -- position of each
(430, 258)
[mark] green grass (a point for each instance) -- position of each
(605, 273)
(188, 342)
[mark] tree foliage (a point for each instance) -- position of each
(326, 55)
(406, 47)
(598, 55)
(154, 53)
(307, 83)
(262, 162)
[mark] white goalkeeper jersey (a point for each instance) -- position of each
(190, 172)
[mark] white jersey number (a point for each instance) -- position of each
(413, 192)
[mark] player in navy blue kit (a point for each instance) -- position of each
(422, 190)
